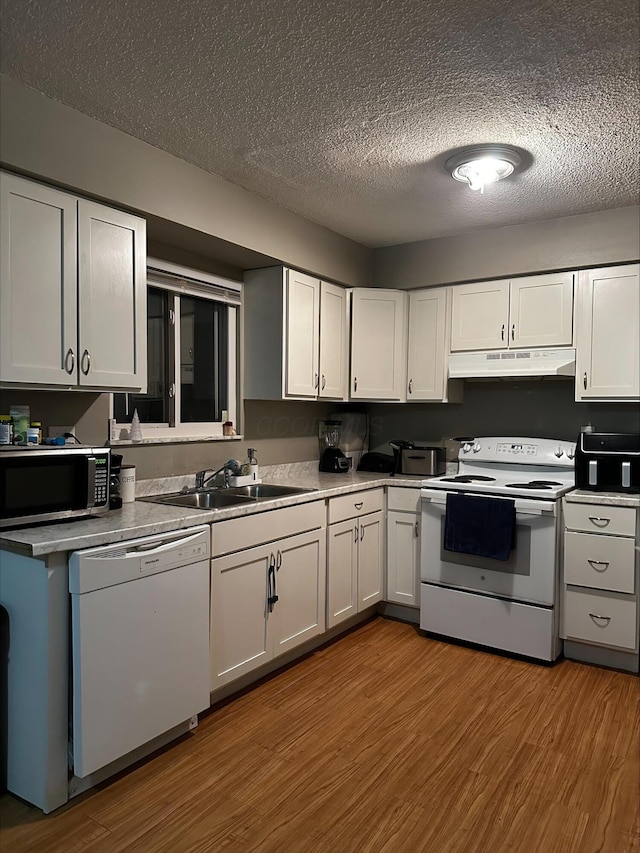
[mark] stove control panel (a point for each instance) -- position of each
(525, 451)
(517, 449)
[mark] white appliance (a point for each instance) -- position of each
(509, 604)
(507, 364)
(140, 643)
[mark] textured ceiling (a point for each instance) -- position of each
(344, 112)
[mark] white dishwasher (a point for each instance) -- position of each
(140, 642)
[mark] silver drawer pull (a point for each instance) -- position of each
(595, 563)
(601, 522)
(595, 616)
(359, 505)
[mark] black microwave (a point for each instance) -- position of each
(47, 483)
(608, 462)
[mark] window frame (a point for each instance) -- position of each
(180, 281)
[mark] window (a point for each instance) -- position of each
(192, 326)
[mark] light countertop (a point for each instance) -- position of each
(142, 518)
(582, 496)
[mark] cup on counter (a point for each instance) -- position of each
(128, 483)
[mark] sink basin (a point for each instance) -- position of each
(201, 500)
(220, 498)
(258, 491)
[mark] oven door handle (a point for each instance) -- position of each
(523, 507)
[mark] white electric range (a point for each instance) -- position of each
(506, 604)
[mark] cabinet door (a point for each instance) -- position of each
(299, 613)
(403, 553)
(378, 344)
(370, 560)
(334, 349)
(239, 638)
(541, 311)
(112, 298)
(38, 284)
(480, 316)
(426, 359)
(608, 333)
(302, 330)
(342, 571)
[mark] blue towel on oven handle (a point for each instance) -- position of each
(479, 525)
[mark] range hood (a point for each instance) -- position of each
(508, 364)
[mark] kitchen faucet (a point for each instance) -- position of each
(231, 466)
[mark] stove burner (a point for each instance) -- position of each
(534, 484)
(468, 478)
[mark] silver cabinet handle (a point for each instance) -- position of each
(417, 529)
(595, 563)
(70, 361)
(315, 380)
(513, 332)
(355, 383)
(359, 505)
(278, 561)
(172, 389)
(502, 332)
(85, 362)
(598, 521)
(584, 381)
(411, 386)
(595, 616)
(324, 381)
(355, 532)
(361, 533)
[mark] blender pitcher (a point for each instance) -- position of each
(332, 459)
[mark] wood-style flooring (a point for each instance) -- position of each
(382, 741)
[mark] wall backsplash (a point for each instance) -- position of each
(286, 432)
(540, 408)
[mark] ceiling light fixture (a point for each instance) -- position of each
(482, 165)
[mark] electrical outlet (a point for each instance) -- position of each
(193, 722)
(55, 431)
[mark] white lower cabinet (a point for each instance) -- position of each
(355, 555)
(403, 546)
(600, 578)
(267, 599)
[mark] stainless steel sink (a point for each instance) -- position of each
(220, 498)
(211, 499)
(262, 491)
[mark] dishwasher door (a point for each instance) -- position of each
(140, 642)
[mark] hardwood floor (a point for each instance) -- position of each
(383, 741)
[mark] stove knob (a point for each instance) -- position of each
(466, 447)
(558, 452)
(571, 452)
(476, 447)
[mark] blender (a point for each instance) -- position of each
(332, 459)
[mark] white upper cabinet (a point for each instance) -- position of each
(428, 348)
(72, 291)
(608, 334)
(302, 333)
(378, 344)
(296, 336)
(521, 313)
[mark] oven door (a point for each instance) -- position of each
(529, 575)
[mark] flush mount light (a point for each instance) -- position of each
(482, 165)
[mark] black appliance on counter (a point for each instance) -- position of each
(409, 457)
(608, 462)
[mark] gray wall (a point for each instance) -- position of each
(46, 139)
(537, 408)
(572, 242)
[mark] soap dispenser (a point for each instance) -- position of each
(253, 464)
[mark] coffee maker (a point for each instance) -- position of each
(332, 459)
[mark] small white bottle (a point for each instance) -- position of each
(254, 471)
(135, 433)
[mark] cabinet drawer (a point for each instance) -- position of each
(355, 504)
(403, 500)
(606, 619)
(602, 562)
(599, 518)
(236, 534)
